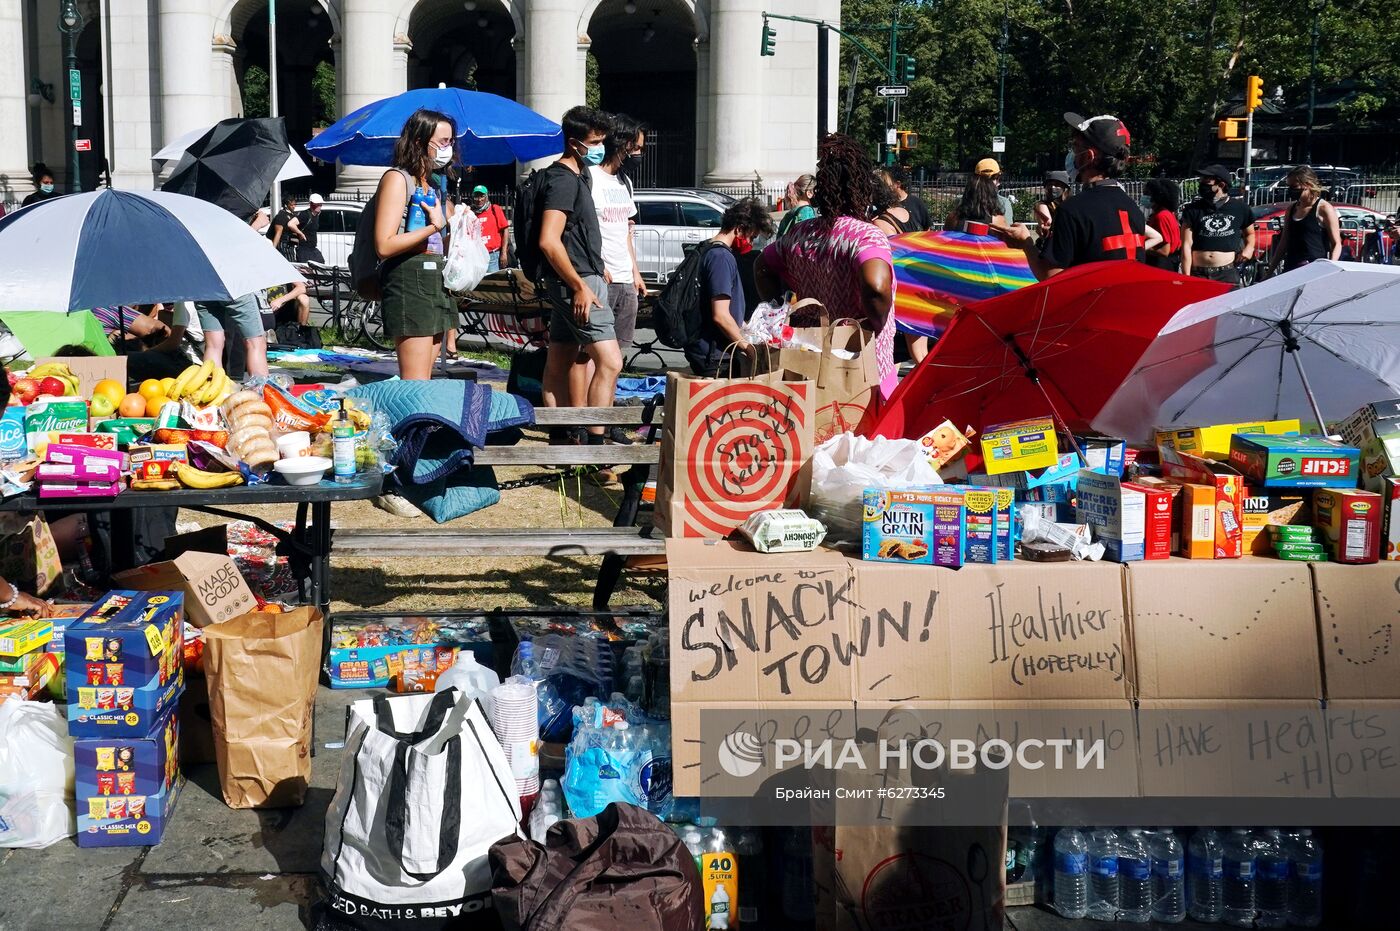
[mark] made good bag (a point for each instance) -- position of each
(732, 446)
(261, 671)
(845, 371)
(424, 792)
(28, 554)
(621, 871)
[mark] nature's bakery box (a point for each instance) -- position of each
(1357, 607)
(1223, 630)
(1233, 749)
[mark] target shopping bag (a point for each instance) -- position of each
(730, 447)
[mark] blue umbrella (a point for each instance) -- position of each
(491, 130)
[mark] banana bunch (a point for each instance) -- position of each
(57, 370)
(202, 385)
(191, 477)
(359, 418)
(154, 484)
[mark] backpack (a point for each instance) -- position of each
(525, 219)
(365, 265)
(676, 317)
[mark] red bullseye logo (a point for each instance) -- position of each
(745, 451)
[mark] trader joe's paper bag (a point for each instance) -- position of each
(732, 446)
(262, 671)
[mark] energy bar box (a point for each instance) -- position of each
(1294, 461)
(1265, 507)
(123, 663)
(980, 514)
(125, 787)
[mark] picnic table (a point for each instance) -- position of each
(307, 546)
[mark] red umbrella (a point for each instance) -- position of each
(1060, 347)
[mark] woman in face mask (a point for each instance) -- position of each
(408, 235)
(43, 186)
(1310, 226)
(1056, 190)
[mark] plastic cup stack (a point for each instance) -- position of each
(515, 719)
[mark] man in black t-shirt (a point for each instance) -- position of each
(309, 222)
(898, 180)
(1101, 222)
(581, 326)
(1217, 230)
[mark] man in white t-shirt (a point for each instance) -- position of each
(612, 199)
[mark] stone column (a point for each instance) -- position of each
(132, 105)
(225, 85)
(14, 105)
(188, 98)
(371, 66)
(552, 52)
(736, 92)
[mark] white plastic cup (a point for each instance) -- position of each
(294, 444)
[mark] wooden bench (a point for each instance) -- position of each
(505, 305)
(616, 544)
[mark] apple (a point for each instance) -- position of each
(26, 389)
(101, 406)
(53, 386)
(12, 377)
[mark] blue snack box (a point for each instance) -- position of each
(126, 786)
(13, 443)
(123, 663)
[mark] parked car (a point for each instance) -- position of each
(335, 235)
(668, 221)
(1269, 184)
(1365, 236)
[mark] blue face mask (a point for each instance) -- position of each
(1069, 166)
(46, 188)
(593, 155)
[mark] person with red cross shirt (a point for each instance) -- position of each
(1101, 222)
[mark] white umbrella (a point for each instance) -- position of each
(294, 167)
(131, 247)
(1323, 339)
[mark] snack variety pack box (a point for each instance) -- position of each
(1116, 511)
(1006, 524)
(916, 525)
(1350, 522)
(1226, 510)
(1019, 446)
(1264, 507)
(123, 659)
(18, 637)
(126, 786)
(1294, 461)
(1214, 442)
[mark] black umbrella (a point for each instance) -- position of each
(233, 164)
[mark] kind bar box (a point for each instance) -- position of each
(916, 525)
(981, 524)
(1214, 442)
(1117, 513)
(1294, 461)
(1350, 522)
(1228, 506)
(1264, 507)
(1157, 521)
(123, 659)
(126, 786)
(1019, 446)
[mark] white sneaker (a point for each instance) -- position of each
(397, 505)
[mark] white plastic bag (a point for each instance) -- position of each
(36, 775)
(466, 253)
(845, 465)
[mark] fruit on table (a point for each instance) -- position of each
(109, 388)
(26, 389)
(166, 384)
(154, 484)
(149, 388)
(102, 405)
(52, 386)
(191, 477)
(154, 403)
(202, 384)
(133, 405)
(58, 370)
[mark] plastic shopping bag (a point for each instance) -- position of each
(36, 775)
(845, 465)
(466, 253)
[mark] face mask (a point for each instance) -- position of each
(1070, 170)
(1295, 193)
(480, 208)
(443, 158)
(46, 188)
(742, 244)
(1207, 191)
(593, 155)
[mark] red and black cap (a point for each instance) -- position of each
(1105, 133)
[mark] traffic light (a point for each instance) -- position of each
(1229, 131)
(907, 140)
(905, 69)
(769, 39)
(1253, 92)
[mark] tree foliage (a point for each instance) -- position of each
(323, 85)
(1166, 67)
(255, 92)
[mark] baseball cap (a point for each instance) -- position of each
(1059, 177)
(988, 166)
(1214, 171)
(317, 199)
(1105, 133)
(480, 189)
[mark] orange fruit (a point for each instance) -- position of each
(167, 385)
(272, 607)
(150, 388)
(110, 388)
(154, 403)
(133, 405)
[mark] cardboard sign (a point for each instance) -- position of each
(1363, 741)
(91, 370)
(214, 588)
(1358, 613)
(1219, 631)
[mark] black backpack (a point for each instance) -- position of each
(364, 264)
(677, 317)
(525, 220)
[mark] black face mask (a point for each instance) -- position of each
(1295, 193)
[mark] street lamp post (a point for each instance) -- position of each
(70, 24)
(1317, 8)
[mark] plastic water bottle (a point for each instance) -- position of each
(1305, 881)
(1103, 875)
(1134, 877)
(694, 842)
(1168, 877)
(1204, 875)
(1271, 880)
(1237, 857)
(718, 849)
(470, 678)
(1071, 873)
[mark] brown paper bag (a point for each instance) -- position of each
(732, 446)
(28, 554)
(845, 387)
(262, 671)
